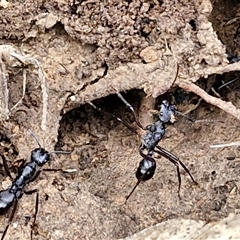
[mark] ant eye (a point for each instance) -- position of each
(148, 127)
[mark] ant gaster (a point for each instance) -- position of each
(153, 134)
(28, 173)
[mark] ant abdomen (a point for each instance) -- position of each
(6, 201)
(146, 169)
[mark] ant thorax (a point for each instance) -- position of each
(26, 175)
(153, 135)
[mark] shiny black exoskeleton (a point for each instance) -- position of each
(27, 174)
(154, 133)
(146, 169)
(233, 59)
(150, 140)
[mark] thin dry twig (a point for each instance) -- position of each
(42, 78)
(237, 143)
(34, 62)
(4, 97)
(23, 90)
(225, 106)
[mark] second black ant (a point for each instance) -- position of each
(150, 140)
(28, 173)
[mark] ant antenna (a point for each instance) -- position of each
(199, 120)
(131, 108)
(183, 115)
(34, 136)
(61, 152)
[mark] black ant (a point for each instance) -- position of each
(28, 173)
(153, 134)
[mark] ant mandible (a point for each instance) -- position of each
(150, 140)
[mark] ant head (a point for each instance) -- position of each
(40, 156)
(166, 113)
(146, 169)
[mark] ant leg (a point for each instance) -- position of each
(35, 214)
(34, 178)
(48, 170)
(36, 208)
(30, 192)
(131, 108)
(175, 160)
(114, 116)
(10, 219)
(60, 170)
(5, 165)
(183, 115)
(60, 152)
(19, 163)
(178, 171)
(129, 195)
(173, 157)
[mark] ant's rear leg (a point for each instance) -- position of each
(176, 161)
(169, 156)
(178, 171)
